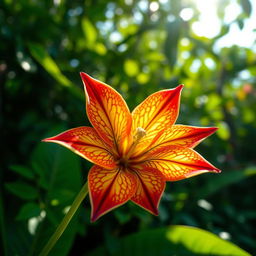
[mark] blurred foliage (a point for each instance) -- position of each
(174, 240)
(138, 47)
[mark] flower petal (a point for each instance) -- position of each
(151, 185)
(109, 189)
(85, 142)
(183, 135)
(157, 112)
(177, 162)
(107, 112)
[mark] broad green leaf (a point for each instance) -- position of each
(23, 170)
(173, 241)
(42, 56)
(28, 210)
(22, 190)
(61, 168)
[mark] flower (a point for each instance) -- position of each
(134, 153)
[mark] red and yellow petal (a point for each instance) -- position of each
(183, 135)
(156, 113)
(85, 142)
(109, 189)
(177, 162)
(107, 112)
(151, 185)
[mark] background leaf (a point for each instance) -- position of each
(173, 240)
(28, 211)
(23, 170)
(224, 180)
(41, 55)
(22, 190)
(90, 33)
(62, 170)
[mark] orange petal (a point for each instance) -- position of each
(108, 112)
(151, 185)
(156, 113)
(183, 135)
(85, 142)
(177, 162)
(109, 189)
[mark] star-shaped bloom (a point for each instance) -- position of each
(134, 153)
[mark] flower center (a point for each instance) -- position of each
(140, 133)
(124, 161)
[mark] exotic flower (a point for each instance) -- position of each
(134, 153)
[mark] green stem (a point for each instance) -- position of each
(65, 221)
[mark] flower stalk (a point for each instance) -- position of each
(65, 221)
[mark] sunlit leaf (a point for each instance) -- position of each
(44, 59)
(173, 241)
(90, 32)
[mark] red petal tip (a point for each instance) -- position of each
(217, 170)
(155, 212)
(211, 130)
(179, 88)
(94, 218)
(83, 74)
(50, 139)
(85, 77)
(46, 140)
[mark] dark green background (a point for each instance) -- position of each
(43, 47)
